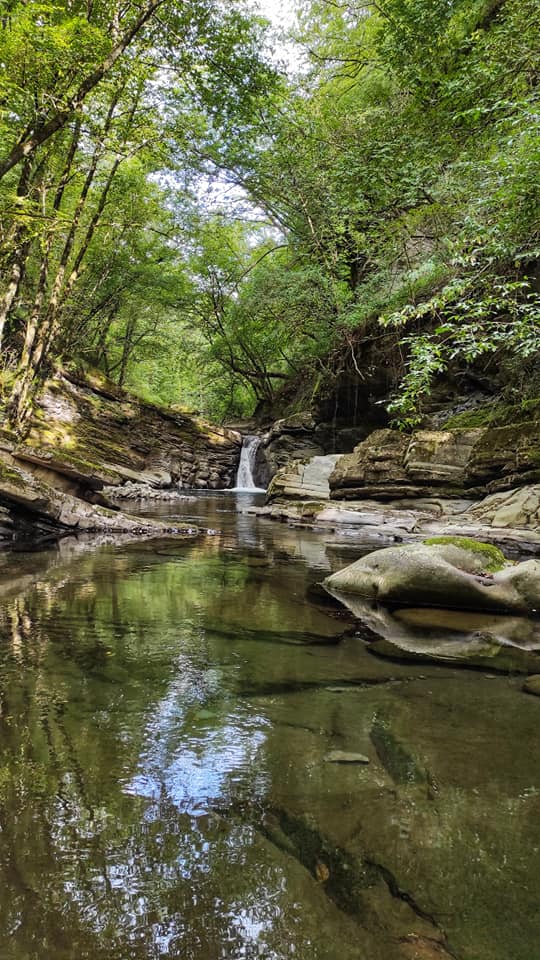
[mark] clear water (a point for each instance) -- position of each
(165, 715)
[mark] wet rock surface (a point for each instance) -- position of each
(33, 509)
(90, 443)
(381, 524)
(142, 491)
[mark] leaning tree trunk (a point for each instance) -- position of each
(42, 329)
(39, 299)
(18, 240)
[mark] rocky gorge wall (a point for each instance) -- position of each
(450, 463)
(481, 482)
(89, 443)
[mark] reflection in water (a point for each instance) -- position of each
(165, 713)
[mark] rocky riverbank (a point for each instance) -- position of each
(481, 482)
(90, 444)
(91, 448)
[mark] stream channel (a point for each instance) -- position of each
(167, 712)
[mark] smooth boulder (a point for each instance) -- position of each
(458, 575)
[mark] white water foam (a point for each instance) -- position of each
(244, 478)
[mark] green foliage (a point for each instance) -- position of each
(94, 230)
(471, 318)
(396, 180)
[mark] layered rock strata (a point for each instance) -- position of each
(451, 463)
(97, 435)
(87, 442)
(301, 494)
(31, 508)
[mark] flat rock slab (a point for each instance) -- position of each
(303, 480)
(21, 491)
(511, 520)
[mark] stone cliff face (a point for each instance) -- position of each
(479, 482)
(450, 463)
(88, 441)
(300, 436)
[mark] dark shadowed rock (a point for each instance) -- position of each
(532, 685)
(293, 438)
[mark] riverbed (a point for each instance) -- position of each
(170, 718)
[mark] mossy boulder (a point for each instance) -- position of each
(443, 574)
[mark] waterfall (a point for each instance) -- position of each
(246, 467)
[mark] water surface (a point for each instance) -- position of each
(165, 715)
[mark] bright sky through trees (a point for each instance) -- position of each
(282, 15)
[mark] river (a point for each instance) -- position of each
(168, 716)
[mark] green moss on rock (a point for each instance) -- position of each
(11, 477)
(493, 557)
(496, 413)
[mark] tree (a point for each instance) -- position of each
(75, 123)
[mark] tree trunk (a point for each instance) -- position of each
(42, 132)
(39, 299)
(21, 245)
(39, 328)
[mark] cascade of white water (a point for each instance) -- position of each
(246, 467)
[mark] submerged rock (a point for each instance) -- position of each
(423, 948)
(345, 756)
(455, 574)
(532, 684)
(472, 639)
(144, 491)
(476, 653)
